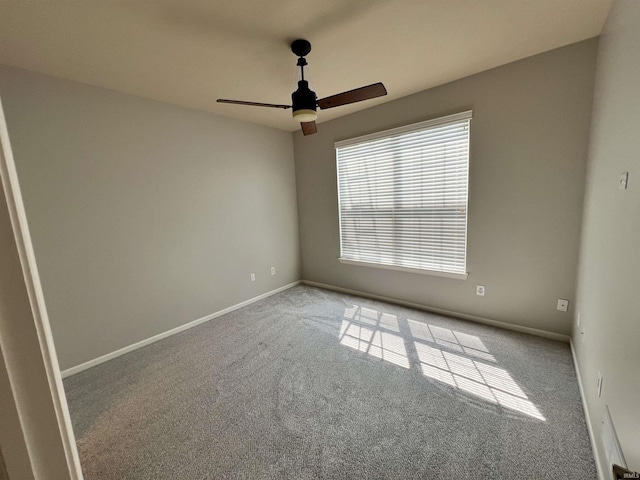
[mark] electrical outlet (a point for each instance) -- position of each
(273, 270)
(624, 179)
(578, 318)
(253, 277)
(563, 305)
(582, 334)
(480, 290)
(599, 385)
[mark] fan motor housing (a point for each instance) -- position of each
(303, 98)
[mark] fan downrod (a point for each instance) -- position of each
(300, 47)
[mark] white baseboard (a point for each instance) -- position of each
(473, 318)
(96, 361)
(92, 363)
(601, 474)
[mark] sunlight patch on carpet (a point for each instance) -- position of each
(444, 355)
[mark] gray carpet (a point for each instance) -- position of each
(311, 384)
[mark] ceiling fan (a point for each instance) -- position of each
(304, 102)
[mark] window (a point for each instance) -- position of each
(402, 197)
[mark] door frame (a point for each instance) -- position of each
(36, 434)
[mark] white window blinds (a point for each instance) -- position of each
(402, 196)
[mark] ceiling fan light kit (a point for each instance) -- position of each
(304, 102)
(305, 115)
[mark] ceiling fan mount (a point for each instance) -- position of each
(300, 47)
(304, 102)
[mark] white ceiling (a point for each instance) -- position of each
(191, 52)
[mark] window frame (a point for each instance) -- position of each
(464, 115)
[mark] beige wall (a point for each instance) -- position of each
(609, 273)
(145, 216)
(528, 153)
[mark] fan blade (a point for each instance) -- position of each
(254, 104)
(308, 128)
(353, 96)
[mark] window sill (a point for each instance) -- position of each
(435, 273)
